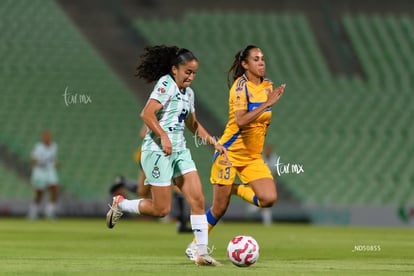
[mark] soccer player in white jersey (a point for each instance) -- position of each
(165, 158)
(44, 175)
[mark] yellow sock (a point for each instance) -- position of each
(247, 193)
(210, 228)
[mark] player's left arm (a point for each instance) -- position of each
(244, 117)
(197, 128)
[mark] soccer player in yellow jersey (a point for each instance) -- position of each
(251, 99)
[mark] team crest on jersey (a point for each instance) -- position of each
(240, 85)
(161, 90)
(156, 172)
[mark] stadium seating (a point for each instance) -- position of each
(13, 186)
(44, 55)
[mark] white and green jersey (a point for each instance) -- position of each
(176, 106)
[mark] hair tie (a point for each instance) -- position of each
(242, 52)
(241, 55)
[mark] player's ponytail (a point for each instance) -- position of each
(156, 61)
(236, 69)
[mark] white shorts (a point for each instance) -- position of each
(42, 178)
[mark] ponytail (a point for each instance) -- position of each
(236, 69)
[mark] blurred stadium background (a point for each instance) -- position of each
(346, 117)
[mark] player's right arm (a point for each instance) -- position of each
(149, 118)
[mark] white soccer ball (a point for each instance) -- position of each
(243, 250)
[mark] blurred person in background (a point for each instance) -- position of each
(44, 176)
(123, 187)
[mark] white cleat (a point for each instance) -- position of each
(206, 260)
(114, 213)
(191, 251)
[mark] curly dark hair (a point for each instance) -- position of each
(156, 61)
(236, 69)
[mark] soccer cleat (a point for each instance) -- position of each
(206, 260)
(114, 213)
(191, 251)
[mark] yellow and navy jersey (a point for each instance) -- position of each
(244, 144)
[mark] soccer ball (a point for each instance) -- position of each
(243, 250)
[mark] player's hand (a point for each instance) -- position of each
(275, 95)
(40, 163)
(222, 150)
(166, 145)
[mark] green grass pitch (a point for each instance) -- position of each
(136, 247)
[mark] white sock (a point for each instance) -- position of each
(200, 229)
(130, 206)
(50, 210)
(266, 215)
(33, 211)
